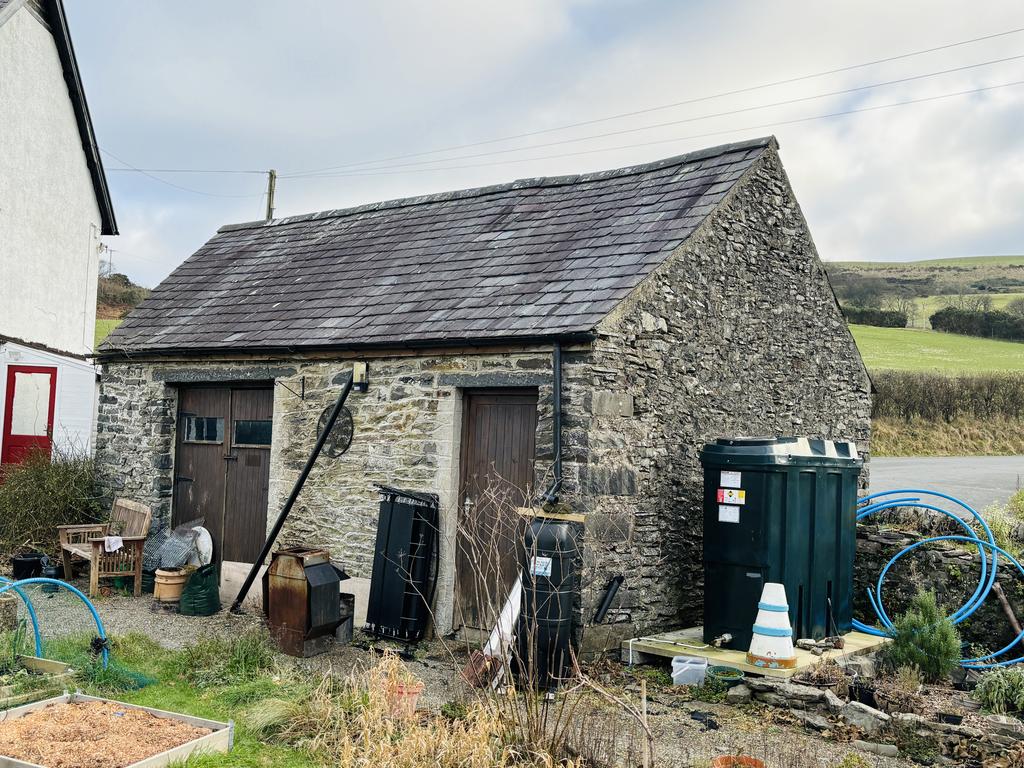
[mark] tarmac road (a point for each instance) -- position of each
(977, 480)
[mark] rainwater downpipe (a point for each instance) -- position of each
(551, 495)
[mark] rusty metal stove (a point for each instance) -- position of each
(301, 600)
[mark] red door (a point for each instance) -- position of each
(28, 411)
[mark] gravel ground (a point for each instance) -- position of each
(686, 732)
(63, 613)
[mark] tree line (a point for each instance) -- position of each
(992, 324)
(908, 395)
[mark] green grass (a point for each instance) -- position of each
(176, 690)
(914, 349)
(104, 327)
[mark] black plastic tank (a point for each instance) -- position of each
(548, 568)
(779, 509)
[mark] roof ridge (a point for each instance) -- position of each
(527, 183)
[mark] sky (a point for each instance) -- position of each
(350, 101)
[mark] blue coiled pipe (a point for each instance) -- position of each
(17, 585)
(877, 502)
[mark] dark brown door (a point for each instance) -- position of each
(496, 470)
(222, 468)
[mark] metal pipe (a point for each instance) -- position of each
(287, 508)
(551, 494)
(609, 594)
(556, 363)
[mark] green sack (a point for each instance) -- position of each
(201, 595)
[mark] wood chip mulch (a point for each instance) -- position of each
(92, 734)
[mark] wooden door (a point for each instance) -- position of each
(28, 412)
(222, 470)
(248, 474)
(496, 471)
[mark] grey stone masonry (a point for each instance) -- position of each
(739, 333)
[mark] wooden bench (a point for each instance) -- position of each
(129, 520)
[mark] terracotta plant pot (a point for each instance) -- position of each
(168, 584)
(402, 699)
(736, 761)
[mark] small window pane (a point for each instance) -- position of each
(30, 409)
(252, 432)
(204, 429)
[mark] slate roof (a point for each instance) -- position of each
(533, 259)
(52, 12)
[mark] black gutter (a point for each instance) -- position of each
(66, 50)
(156, 355)
(296, 489)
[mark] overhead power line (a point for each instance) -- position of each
(151, 175)
(676, 139)
(180, 170)
(670, 123)
(694, 100)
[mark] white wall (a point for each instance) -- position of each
(49, 219)
(75, 405)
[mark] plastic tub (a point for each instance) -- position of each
(689, 670)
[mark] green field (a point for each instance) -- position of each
(915, 349)
(104, 327)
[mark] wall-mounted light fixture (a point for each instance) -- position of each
(360, 377)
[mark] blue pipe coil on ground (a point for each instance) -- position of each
(877, 502)
(8, 585)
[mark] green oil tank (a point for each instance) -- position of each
(778, 509)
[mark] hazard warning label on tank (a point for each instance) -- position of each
(732, 496)
(728, 513)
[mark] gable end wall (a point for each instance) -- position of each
(738, 333)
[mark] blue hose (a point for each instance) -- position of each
(877, 502)
(16, 585)
(31, 614)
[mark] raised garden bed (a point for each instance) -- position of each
(79, 731)
(34, 678)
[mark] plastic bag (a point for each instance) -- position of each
(201, 595)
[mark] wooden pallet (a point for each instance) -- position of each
(689, 642)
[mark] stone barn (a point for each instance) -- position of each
(685, 294)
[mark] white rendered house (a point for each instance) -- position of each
(54, 206)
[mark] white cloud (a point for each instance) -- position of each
(312, 84)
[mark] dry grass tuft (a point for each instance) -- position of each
(963, 436)
(353, 724)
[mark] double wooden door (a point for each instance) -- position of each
(496, 469)
(222, 469)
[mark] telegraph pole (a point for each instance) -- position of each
(271, 186)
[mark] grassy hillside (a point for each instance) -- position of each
(116, 296)
(916, 349)
(967, 262)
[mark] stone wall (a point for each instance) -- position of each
(407, 434)
(135, 437)
(738, 334)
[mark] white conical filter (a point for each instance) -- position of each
(772, 643)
